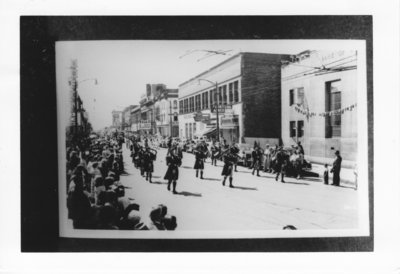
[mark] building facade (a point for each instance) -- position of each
(126, 118)
(135, 119)
(117, 119)
(166, 113)
(319, 99)
(246, 88)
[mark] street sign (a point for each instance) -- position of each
(221, 109)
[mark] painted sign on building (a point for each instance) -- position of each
(144, 124)
(229, 121)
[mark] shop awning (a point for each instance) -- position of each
(208, 132)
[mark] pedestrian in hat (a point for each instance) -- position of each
(257, 155)
(229, 161)
(336, 168)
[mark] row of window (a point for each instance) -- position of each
(211, 98)
(190, 130)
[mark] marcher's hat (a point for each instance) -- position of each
(337, 152)
(289, 227)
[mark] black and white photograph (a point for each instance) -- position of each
(199, 139)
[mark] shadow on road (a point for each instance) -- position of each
(186, 193)
(296, 183)
(187, 167)
(211, 179)
(156, 177)
(312, 179)
(159, 183)
(245, 188)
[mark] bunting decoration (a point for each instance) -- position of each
(309, 113)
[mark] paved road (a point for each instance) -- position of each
(256, 203)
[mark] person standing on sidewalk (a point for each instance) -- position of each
(257, 155)
(280, 166)
(336, 169)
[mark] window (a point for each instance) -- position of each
(300, 128)
(190, 131)
(211, 97)
(194, 128)
(198, 102)
(215, 97)
(180, 107)
(204, 99)
(231, 93)
(224, 96)
(292, 128)
(186, 106)
(333, 123)
(175, 104)
(291, 97)
(186, 130)
(300, 96)
(236, 92)
(191, 104)
(220, 96)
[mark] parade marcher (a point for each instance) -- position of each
(257, 155)
(336, 169)
(201, 153)
(229, 160)
(149, 156)
(280, 166)
(267, 158)
(215, 151)
(173, 163)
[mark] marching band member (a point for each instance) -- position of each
(149, 156)
(215, 151)
(201, 153)
(173, 163)
(230, 157)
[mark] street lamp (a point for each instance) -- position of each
(76, 99)
(217, 112)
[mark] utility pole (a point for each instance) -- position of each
(217, 91)
(170, 117)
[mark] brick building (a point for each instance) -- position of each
(249, 86)
(319, 99)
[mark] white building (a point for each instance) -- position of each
(319, 99)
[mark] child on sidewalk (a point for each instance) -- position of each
(326, 175)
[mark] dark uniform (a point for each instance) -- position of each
(149, 156)
(229, 159)
(201, 152)
(336, 166)
(172, 174)
(280, 165)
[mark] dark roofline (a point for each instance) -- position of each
(227, 60)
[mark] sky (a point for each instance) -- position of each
(123, 68)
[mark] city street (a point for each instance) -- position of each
(255, 203)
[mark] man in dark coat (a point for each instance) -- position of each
(280, 165)
(149, 156)
(257, 155)
(336, 169)
(229, 160)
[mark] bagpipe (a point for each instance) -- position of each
(201, 154)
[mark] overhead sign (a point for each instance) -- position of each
(230, 121)
(145, 125)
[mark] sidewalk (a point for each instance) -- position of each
(347, 176)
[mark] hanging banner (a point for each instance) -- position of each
(309, 113)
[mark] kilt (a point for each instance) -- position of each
(199, 164)
(227, 170)
(149, 167)
(172, 173)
